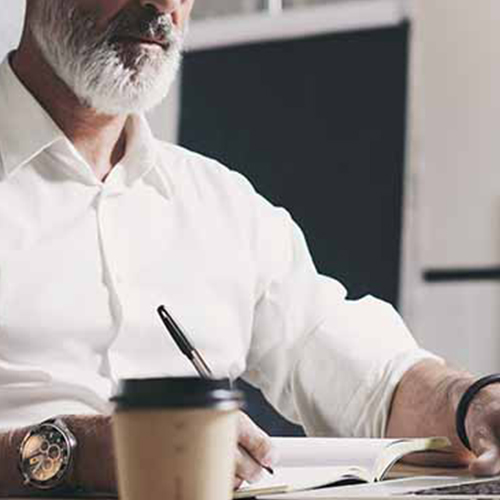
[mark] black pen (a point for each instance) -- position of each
(184, 344)
(187, 348)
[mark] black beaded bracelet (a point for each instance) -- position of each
(465, 402)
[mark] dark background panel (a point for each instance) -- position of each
(318, 126)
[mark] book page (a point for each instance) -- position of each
(310, 452)
(305, 463)
(401, 447)
(308, 463)
(384, 490)
(288, 479)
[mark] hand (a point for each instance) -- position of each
(483, 430)
(258, 444)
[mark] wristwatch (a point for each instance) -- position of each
(46, 455)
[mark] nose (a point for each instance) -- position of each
(162, 6)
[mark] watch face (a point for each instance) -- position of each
(44, 455)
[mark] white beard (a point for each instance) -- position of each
(111, 78)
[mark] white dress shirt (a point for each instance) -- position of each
(84, 265)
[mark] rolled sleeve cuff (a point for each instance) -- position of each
(368, 411)
(349, 368)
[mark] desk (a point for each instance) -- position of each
(399, 471)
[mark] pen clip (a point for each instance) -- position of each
(178, 335)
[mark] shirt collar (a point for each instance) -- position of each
(143, 156)
(28, 129)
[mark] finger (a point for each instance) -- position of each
(255, 441)
(237, 482)
(247, 468)
(485, 447)
(487, 463)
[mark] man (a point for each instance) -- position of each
(101, 223)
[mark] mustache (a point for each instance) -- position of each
(148, 24)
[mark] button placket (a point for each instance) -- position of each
(105, 225)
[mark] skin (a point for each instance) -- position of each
(425, 400)
(425, 404)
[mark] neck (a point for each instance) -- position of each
(100, 139)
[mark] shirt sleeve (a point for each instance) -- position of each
(323, 361)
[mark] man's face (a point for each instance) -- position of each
(117, 56)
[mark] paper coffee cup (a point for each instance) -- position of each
(175, 438)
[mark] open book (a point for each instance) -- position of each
(309, 463)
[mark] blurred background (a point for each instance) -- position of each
(375, 123)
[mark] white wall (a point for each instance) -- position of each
(10, 24)
(454, 185)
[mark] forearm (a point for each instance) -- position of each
(93, 470)
(424, 404)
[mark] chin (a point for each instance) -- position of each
(122, 90)
(132, 102)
